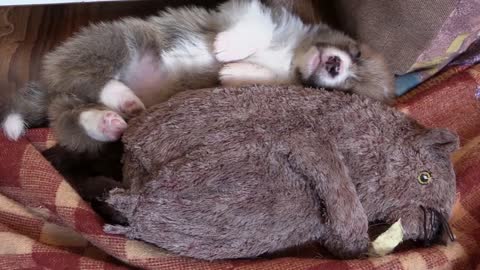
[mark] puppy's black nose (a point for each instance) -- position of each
(333, 65)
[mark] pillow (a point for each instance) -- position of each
(305, 9)
(413, 35)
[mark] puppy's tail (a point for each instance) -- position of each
(22, 109)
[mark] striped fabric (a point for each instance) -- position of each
(44, 224)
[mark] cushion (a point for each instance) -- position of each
(412, 34)
(45, 224)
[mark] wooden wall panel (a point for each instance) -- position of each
(27, 32)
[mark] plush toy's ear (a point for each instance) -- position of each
(441, 139)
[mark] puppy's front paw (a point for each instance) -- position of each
(238, 74)
(234, 74)
(233, 45)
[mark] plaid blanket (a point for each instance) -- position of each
(44, 224)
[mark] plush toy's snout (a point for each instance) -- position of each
(425, 225)
(435, 227)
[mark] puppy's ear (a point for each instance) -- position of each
(355, 51)
(375, 78)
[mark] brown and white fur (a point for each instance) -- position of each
(94, 82)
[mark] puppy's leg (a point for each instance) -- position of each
(84, 127)
(120, 98)
(251, 32)
(238, 74)
(86, 107)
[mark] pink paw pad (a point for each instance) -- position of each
(132, 107)
(112, 125)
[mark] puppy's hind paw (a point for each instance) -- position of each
(104, 126)
(132, 107)
(119, 97)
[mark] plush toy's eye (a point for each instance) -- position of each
(424, 178)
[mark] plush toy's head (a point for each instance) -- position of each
(417, 186)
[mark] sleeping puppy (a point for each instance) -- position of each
(108, 72)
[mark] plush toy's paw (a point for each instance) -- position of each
(349, 239)
(353, 248)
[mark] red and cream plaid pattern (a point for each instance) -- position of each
(44, 224)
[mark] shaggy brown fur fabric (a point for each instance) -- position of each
(231, 173)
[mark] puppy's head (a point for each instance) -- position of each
(337, 62)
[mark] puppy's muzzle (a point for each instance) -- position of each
(332, 65)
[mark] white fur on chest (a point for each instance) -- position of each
(278, 60)
(284, 35)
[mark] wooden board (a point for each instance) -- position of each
(48, 2)
(28, 32)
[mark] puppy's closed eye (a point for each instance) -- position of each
(354, 52)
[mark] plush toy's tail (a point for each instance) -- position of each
(21, 109)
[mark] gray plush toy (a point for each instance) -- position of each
(235, 173)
